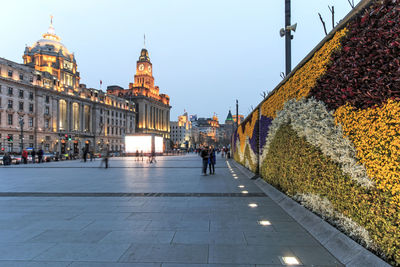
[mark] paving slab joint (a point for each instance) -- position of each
(342, 247)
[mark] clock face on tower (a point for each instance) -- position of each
(149, 68)
(141, 67)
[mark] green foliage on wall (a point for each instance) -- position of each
(296, 167)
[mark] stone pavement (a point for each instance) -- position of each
(135, 214)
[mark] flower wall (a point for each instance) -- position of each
(329, 135)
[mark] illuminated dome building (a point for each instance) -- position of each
(50, 56)
(57, 113)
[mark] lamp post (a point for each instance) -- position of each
(21, 124)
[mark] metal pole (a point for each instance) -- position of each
(288, 37)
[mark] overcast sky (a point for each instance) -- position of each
(205, 53)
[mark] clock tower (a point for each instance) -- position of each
(144, 71)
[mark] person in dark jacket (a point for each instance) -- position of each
(205, 155)
(211, 160)
(33, 154)
(40, 155)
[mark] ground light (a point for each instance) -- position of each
(264, 222)
(253, 205)
(241, 186)
(290, 260)
(245, 192)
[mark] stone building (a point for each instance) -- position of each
(57, 113)
(181, 132)
(153, 109)
(205, 131)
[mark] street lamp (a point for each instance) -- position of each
(21, 124)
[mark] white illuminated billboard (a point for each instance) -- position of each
(138, 143)
(143, 143)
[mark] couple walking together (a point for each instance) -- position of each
(208, 155)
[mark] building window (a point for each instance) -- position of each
(63, 115)
(10, 104)
(31, 137)
(30, 107)
(30, 144)
(10, 73)
(46, 123)
(10, 119)
(21, 94)
(75, 116)
(31, 79)
(30, 96)
(30, 123)
(10, 91)
(21, 76)
(0, 103)
(47, 99)
(46, 110)
(21, 106)
(101, 111)
(0, 85)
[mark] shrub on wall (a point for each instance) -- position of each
(298, 168)
(366, 72)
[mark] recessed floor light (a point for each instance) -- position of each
(253, 205)
(290, 260)
(245, 192)
(264, 222)
(241, 186)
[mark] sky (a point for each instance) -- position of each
(205, 53)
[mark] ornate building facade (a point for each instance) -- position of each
(153, 109)
(44, 98)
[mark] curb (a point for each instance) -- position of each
(343, 248)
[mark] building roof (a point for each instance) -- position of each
(144, 55)
(229, 117)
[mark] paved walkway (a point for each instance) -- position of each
(134, 214)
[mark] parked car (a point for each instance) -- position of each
(47, 157)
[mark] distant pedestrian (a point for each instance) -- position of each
(211, 160)
(25, 156)
(33, 154)
(85, 153)
(205, 155)
(91, 154)
(141, 154)
(6, 159)
(40, 155)
(106, 155)
(137, 155)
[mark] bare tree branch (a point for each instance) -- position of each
(351, 3)
(332, 10)
(323, 23)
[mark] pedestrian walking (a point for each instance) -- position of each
(106, 155)
(205, 155)
(25, 156)
(211, 160)
(40, 155)
(85, 153)
(33, 154)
